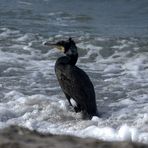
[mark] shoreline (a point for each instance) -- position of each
(19, 137)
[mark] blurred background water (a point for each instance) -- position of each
(112, 39)
(102, 18)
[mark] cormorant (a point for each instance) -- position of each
(74, 82)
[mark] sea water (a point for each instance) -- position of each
(112, 40)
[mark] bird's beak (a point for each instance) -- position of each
(49, 44)
(61, 48)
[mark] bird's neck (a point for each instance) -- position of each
(72, 54)
(72, 59)
(67, 60)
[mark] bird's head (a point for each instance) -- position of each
(68, 47)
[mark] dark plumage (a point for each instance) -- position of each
(74, 82)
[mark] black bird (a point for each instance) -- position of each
(74, 82)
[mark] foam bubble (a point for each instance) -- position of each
(95, 118)
(125, 133)
(134, 134)
(62, 105)
(96, 132)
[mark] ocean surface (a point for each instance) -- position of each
(112, 39)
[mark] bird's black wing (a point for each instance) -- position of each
(75, 83)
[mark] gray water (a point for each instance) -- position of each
(115, 18)
(112, 39)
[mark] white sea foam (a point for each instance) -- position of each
(50, 114)
(120, 46)
(25, 3)
(23, 38)
(113, 69)
(89, 46)
(8, 32)
(121, 79)
(136, 65)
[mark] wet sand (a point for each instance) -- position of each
(18, 137)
